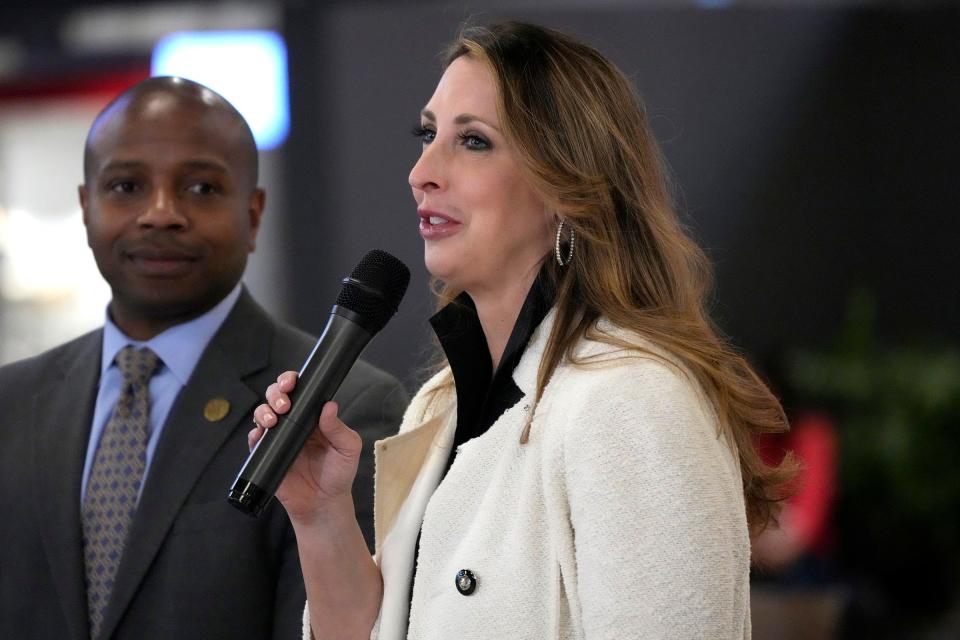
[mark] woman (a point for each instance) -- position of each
(582, 465)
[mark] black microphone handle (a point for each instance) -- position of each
(328, 364)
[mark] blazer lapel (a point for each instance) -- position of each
(190, 441)
(409, 468)
(399, 460)
(62, 433)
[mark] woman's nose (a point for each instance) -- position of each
(428, 173)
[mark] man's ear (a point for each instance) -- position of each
(258, 200)
(84, 203)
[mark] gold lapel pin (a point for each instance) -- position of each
(216, 409)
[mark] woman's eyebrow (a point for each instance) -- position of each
(463, 118)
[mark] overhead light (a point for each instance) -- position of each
(248, 68)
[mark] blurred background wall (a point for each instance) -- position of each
(813, 147)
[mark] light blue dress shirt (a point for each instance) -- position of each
(179, 347)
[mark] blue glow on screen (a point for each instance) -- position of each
(248, 68)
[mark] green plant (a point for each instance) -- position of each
(898, 410)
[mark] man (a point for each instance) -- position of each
(117, 449)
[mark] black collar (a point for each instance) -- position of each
(482, 394)
(482, 397)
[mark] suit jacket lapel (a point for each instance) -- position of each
(400, 459)
(190, 441)
(409, 466)
(63, 410)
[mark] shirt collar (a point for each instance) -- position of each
(180, 346)
(484, 395)
(458, 329)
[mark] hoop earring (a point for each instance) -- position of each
(556, 246)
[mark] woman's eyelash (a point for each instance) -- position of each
(420, 131)
(473, 141)
(468, 139)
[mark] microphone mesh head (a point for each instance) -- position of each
(375, 288)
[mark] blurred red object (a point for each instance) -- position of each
(805, 524)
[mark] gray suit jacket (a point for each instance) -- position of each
(193, 566)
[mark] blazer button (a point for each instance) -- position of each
(466, 582)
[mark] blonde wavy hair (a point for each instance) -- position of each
(584, 142)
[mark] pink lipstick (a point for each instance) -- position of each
(435, 225)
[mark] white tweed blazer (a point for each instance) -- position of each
(622, 517)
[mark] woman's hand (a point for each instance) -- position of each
(344, 586)
(322, 475)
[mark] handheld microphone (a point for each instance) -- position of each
(368, 299)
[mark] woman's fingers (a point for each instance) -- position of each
(277, 392)
(287, 381)
(254, 437)
(277, 399)
(263, 416)
(343, 439)
(263, 419)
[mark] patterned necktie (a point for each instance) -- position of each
(115, 479)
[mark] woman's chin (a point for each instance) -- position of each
(440, 267)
